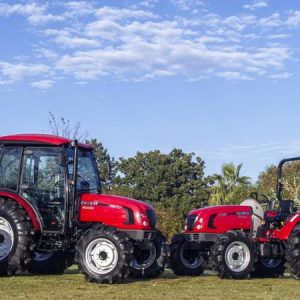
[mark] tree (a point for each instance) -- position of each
(290, 179)
(168, 181)
(62, 127)
(229, 184)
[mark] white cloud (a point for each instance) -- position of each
(43, 84)
(283, 75)
(187, 5)
(233, 76)
(256, 4)
(134, 43)
(10, 72)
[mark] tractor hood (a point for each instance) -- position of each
(121, 212)
(219, 219)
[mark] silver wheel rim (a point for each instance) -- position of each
(101, 256)
(271, 263)
(237, 256)
(196, 263)
(148, 262)
(41, 256)
(6, 238)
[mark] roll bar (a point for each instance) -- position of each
(279, 186)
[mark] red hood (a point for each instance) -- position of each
(117, 200)
(217, 209)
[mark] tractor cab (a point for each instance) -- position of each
(40, 169)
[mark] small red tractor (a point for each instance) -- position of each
(52, 214)
(239, 241)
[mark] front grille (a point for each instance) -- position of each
(152, 217)
(190, 221)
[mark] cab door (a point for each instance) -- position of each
(43, 185)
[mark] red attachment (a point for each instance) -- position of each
(111, 210)
(40, 138)
(289, 225)
(219, 219)
(30, 211)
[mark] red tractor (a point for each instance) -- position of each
(239, 241)
(52, 213)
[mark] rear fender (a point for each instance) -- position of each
(289, 225)
(27, 207)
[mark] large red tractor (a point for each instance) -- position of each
(52, 213)
(239, 241)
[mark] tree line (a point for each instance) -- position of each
(175, 182)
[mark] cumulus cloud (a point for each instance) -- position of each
(256, 4)
(12, 72)
(43, 84)
(84, 40)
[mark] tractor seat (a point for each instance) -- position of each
(285, 209)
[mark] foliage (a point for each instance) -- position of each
(229, 186)
(174, 180)
(106, 164)
(290, 180)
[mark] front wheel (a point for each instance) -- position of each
(183, 259)
(104, 254)
(149, 258)
(233, 255)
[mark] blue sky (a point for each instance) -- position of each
(218, 78)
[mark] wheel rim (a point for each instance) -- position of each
(41, 256)
(237, 256)
(101, 256)
(189, 259)
(6, 238)
(271, 263)
(148, 259)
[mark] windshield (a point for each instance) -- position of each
(87, 173)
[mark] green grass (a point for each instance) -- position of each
(73, 286)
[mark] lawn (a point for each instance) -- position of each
(73, 286)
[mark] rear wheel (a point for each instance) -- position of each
(233, 255)
(15, 237)
(104, 254)
(50, 262)
(269, 268)
(293, 252)
(149, 258)
(183, 259)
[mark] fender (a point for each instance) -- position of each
(27, 207)
(289, 225)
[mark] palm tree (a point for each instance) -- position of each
(226, 182)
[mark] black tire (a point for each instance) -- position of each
(293, 252)
(269, 269)
(20, 239)
(181, 263)
(53, 263)
(159, 263)
(221, 254)
(123, 250)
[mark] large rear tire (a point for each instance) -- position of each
(149, 258)
(104, 255)
(293, 252)
(184, 261)
(233, 255)
(51, 263)
(269, 268)
(15, 237)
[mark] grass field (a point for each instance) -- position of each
(73, 286)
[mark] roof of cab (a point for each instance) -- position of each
(39, 139)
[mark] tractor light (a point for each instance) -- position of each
(199, 226)
(143, 219)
